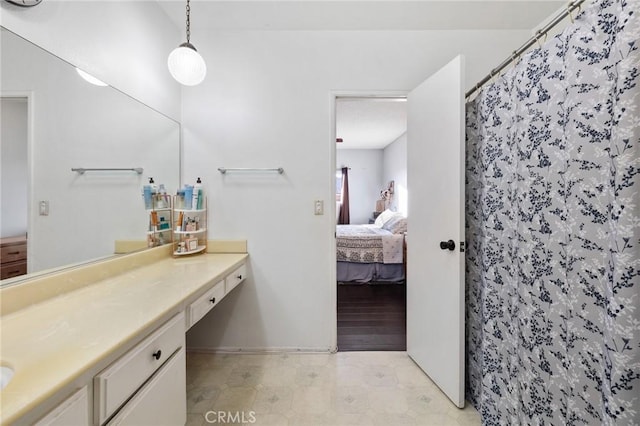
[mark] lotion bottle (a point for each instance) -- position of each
(154, 187)
(154, 192)
(197, 195)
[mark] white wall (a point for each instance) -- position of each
(123, 43)
(365, 181)
(266, 102)
(395, 168)
(14, 179)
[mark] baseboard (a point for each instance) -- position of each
(230, 350)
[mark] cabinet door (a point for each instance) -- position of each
(161, 401)
(74, 411)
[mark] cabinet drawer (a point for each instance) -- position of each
(205, 303)
(13, 252)
(74, 411)
(161, 401)
(114, 385)
(13, 269)
(236, 277)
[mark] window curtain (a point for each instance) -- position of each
(553, 230)
(343, 217)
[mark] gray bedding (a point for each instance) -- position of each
(370, 272)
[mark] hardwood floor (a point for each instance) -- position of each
(372, 317)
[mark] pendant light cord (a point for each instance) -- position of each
(188, 21)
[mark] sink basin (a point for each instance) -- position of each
(6, 373)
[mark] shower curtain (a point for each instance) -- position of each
(553, 230)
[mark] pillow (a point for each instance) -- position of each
(383, 217)
(397, 224)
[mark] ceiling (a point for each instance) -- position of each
(362, 14)
(369, 123)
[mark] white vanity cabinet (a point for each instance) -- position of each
(135, 373)
(205, 303)
(74, 411)
(212, 297)
(235, 278)
(154, 370)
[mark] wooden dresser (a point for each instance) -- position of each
(13, 257)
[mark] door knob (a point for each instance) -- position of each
(447, 245)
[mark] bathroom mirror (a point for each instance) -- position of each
(72, 217)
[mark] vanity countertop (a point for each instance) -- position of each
(59, 341)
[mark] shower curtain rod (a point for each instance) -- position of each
(573, 5)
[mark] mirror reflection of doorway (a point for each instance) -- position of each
(13, 113)
(371, 178)
(14, 183)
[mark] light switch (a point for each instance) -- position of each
(319, 207)
(44, 208)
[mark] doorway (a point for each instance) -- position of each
(370, 178)
(435, 269)
(15, 175)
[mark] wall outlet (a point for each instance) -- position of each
(318, 207)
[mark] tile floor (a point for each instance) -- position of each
(347, 388)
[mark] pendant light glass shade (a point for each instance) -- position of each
(186, 65)
(89, 78)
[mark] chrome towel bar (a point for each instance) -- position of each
(81, 170)
(224, 170)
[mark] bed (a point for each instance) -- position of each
(372, 253)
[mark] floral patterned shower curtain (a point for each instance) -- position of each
(553, 230)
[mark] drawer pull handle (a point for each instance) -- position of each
(239, 277)
(212, 300)
(14, 252)
(157, 354)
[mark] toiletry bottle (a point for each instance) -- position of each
(154, 220)
(154, 192)
(197, 195)
(179, 221)
(162, 197)
(188, 197)
(148, 198)
(180, 199)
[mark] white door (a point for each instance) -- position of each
(435, 274)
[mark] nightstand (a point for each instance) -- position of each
(14, 257)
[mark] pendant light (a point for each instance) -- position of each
(90, 79)
(185, 63)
